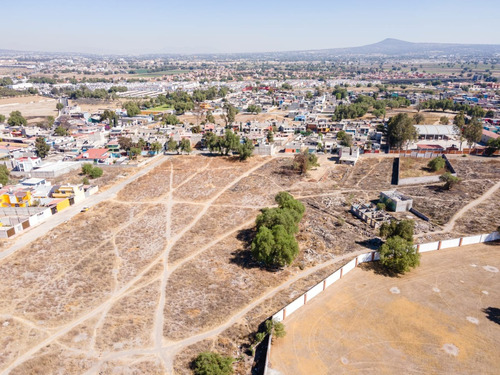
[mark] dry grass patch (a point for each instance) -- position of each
(417, 167)
(151, 186)
(182, 215)
(80, 289)
(139, 366)
(216, 222)
(483, 218)
(130, 321)
(15, 337)
(141, 242)
(54, 359)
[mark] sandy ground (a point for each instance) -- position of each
(29, 106)
(435, 319)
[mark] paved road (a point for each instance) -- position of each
(40, 230)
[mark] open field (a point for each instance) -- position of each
(417, 167)
(144, 280)
(436, 319)
(29, 106)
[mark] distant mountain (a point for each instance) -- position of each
(396, 47)
(387, 47)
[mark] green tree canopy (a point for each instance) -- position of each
(304, 161)
(403, 229)
(16, 119)
(132, 109)
(246, 149)
(399, 255)
(4, 174)
(42, 148)
(209, 363)
(185, 145)
(400, 130)
(473, 131)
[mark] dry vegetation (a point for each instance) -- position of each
(184, 239)
(417, 167)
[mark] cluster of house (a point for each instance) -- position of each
(34, 200)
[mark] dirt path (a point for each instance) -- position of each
(158, 334)
(449, 226)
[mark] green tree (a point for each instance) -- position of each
(270, 136)
(436, 164)
(50, 121)
(403, 229)
(87, 168)
(2, 119)
(254, 109)
(230, 142)
(459, 126)
(59, 106)
(287, 202)
(444, 120)
(449, 180)
(185, 145)
(274, 247)
(489, 114)
(156, 147)
(399, 255)
(132, 109)
(473, 132)
(60, 131)
(125, 143)
(4, 174)
(210, 117)
(209, 363)
(95, 172)
(418, 118)
(133, 152)
(16, 119)
(275, 327)
(304, 161)
(400, 130)
(229, 114)
(42, 148)
(246, 149)
(172, 145)
(171, 120)
(271, 217)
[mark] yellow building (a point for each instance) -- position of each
(11, 197)
(68, 191)
(62, 204)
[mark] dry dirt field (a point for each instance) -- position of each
(29, 106)
(441, 318)
(416, 167)
(141, 283)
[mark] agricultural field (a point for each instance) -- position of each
(146, 280)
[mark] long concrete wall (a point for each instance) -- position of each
(370, 257)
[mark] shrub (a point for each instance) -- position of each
(381, 206)
(449, 180)
(87, 168)
(403, 229)
(96, 172)
(436, 164)
(209, 363)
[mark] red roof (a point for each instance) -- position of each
(429, 147)
(94, 153)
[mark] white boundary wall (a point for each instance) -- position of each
(370, 257)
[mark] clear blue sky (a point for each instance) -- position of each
(195, 26)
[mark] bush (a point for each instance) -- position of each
(87, 168)
(381, 206)
(449, 180)
(436, 164)
(96, 172)
(209, 363)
